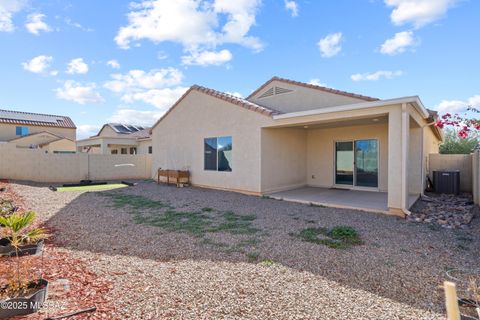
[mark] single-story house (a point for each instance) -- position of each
(118, 138)
(51, 133)
(289, 136)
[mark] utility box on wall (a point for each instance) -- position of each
(446, 182)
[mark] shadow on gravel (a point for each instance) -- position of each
(397, 259)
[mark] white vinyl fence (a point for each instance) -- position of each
(35, 165)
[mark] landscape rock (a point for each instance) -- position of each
(447, 210)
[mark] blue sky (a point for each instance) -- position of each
(100, 61)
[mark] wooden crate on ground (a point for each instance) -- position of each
(178, 177)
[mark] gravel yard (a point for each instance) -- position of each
(193, 253)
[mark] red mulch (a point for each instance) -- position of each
(84, 288)
(9, 194)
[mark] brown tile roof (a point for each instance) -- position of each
(35, 119)
(225, 97)
(312, 86)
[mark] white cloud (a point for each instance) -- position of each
(139, 79)
(374, 76)
(330, 45)
(159, 98)
(317, 82)
(39, 64)
(207, 58)
(7, 10)
(77, 25)
(418, 12)
(292, 6)
(77, 66)
(197, 25)
(79, 93)
(453, 106)
(113, 64)
(158, 87)
(137, 117)
(87, 130)
(399, 43)
(35, 24)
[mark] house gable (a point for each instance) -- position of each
(230, 99)
(291, 96)
(36, 139)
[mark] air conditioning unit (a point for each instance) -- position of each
(446, 182)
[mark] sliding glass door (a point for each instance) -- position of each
(344, 163)
(366, 163)
(356, 163)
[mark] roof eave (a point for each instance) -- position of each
(415, 100)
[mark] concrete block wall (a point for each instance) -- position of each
(36, 165)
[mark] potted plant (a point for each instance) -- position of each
(21, 294)
(18, 238)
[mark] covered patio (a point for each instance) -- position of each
(370, 158)
(339, 198)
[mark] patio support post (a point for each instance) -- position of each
(398, 138)
(405, 156)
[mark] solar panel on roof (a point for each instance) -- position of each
(29, 117)
(121, 129)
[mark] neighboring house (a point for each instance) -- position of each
(289, 134)
(54, 134)
(117, 138)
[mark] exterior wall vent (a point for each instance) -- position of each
(279, 90)
(267, 93)
(274, 91)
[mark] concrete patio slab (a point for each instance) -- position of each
(339, 198)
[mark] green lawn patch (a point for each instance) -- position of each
(339, 237)
(101, 187)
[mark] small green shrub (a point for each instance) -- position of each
(339, 237)
(343, 233)
(253, 256)
(268, 263)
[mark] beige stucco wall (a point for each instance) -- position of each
(35, 140)
(284, 159)
(143, 145)
(415, 160)
(36, 165)
(431, 145)
(60, 145)
(8, 131)
(321, 152)
(107, 132)
(301, 98)
(178, 141)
